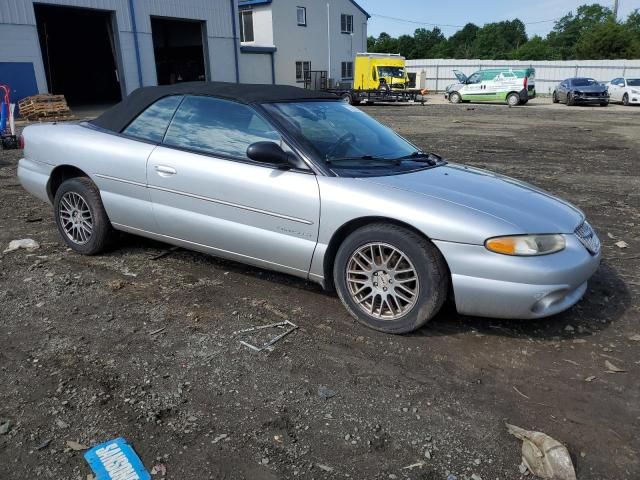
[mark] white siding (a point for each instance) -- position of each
(276, 24)
(255, 68)
(18, 34)
(438, 73)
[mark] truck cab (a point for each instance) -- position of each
(375, 71)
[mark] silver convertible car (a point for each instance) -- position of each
(303, 183)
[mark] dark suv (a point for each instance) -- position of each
(581, 90)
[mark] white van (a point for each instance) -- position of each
(511, 85)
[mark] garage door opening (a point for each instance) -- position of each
(178, 49)
(79, 53)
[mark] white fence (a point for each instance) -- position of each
(435, 74)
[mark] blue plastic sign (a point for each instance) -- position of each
(116, 460)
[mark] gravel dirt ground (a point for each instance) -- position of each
(127, 344)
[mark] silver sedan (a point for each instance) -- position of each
(303, 183)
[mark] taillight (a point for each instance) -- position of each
(21, 142)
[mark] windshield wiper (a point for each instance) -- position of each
(426, 157)
(351, 159)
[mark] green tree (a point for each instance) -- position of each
(537, 48)
(460, 44)
(426, 41)
(406, 45)
(500, 39)
(569, 29)
(610, 40)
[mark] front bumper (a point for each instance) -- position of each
(585, 99)
(487, 284)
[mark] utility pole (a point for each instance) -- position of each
(615, 10)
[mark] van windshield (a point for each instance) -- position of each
(395, 72)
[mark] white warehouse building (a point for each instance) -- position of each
(97, 51)
(288, 38)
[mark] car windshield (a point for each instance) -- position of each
(339, 132)
(584, 82)
(633, 82)
(395, 72)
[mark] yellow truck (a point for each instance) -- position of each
(373, 71)
(379, 77)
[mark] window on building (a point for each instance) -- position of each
(151, 124)
(219, 127)
(302, 16)
(246, 26)
(347, 70)
(302, 69)
(346, 23)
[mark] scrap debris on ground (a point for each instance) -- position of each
(118, 345)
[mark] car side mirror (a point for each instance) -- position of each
(271, 153)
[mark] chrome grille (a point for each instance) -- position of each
(588, 237)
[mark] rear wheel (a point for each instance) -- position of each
(513, 99)
(390, 278)
(625, 99)
(81, 218)
(347, 98)
(455, 97)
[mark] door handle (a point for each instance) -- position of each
(165, 171)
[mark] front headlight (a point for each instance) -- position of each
(633, 90)
(526, 245)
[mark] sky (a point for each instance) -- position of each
(460, 12)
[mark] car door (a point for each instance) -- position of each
(615, 89)
(562, 90)
(473, 89)
(120, 170)
(208, 194)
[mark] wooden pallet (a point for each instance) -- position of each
(45, 108)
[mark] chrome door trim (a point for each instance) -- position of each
(116, 179)
(230, 204)
(208, 199)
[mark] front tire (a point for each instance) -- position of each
(555, 99)
(390, 278)
(604, 104)
(570, 101)
(625, 99)
(81, 218)
(455, 97)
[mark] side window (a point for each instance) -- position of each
(215, 126)
(153, 122)
(246, 26)
(346, 23)
(374, 74)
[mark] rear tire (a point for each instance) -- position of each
(625, 99)
(81, 218)
(347, 98)
(455, 97)
(390, 278)
(513, 99)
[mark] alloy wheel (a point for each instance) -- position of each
(382, 281)
(75, 218)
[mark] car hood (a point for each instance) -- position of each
(525, 208)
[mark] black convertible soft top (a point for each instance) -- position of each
(120, 115)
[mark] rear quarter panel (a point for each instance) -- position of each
(117, 165)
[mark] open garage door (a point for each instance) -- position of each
(79, 53)
(178, 49)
